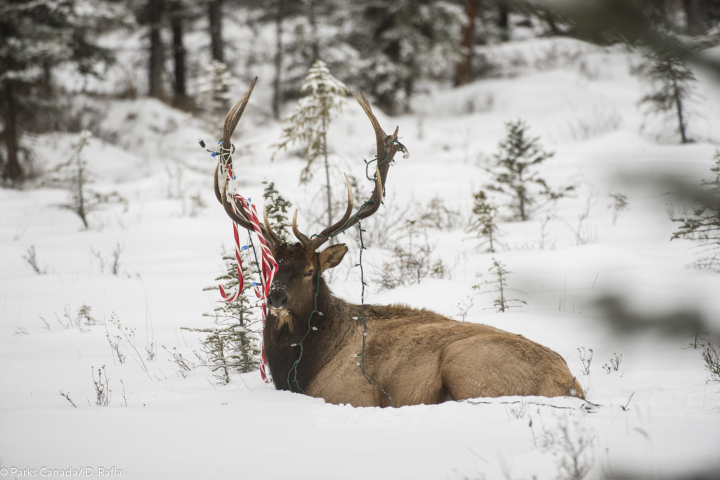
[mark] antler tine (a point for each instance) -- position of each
(304, 240)
(233, 116)
(231, 121)
(325, 235)
(385, 155)
(270, 236)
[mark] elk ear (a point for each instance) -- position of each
(332, 256)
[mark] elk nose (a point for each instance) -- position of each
(277, 300)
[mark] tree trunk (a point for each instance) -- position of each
(462, 74)
(277, 84)
(314, 44)
(679, 110)
(216, 40)
(180, 99)
(328, 190)
(157, 54)
(12, 171)
(694, 15)
(503, 19)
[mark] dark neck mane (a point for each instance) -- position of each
(334, 326)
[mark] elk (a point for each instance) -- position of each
(408, 356)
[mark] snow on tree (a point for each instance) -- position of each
(672, 84)
(234, 342)
(515, 173)
(277, 210)
(35, 37)
(401, 42)
(214, 87)
(309, 122)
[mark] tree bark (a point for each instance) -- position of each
(157, 54)
(216, 41)
(277, 84)
(328, 191)
(314, 43)
(462, 74)
(180, 99)
(679, 111)
(694, 15)
(12, 171)
(503, 18)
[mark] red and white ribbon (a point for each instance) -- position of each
(267, 270)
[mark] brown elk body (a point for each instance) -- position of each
(411, 356)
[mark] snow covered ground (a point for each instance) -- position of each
(656, 416)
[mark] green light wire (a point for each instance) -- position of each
(362, 280)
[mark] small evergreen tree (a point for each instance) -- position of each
(75, 177)
(672, 83)
(514, 172)
(309, 123)
(214, 88)
(703, 223)
(277, 210)
(501, 302)
(482, 222)
(234, 342)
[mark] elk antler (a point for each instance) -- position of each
(387, 147)
(220, 184)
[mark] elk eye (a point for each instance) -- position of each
(309, 273)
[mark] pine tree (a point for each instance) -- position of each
(514, 172)
(74, 176)
(401, 42)
(35, 37)
(482, 222)
(277, 210)
(672, 82)
(309, 123)
(234, 342)
(214, 88)
(703, 223)
(501, 302)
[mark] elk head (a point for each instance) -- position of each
(298, 279)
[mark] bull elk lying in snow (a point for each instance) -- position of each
(417, 356)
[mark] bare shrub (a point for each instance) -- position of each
(102, 387)
(570, 443)
(184, 365)
(411, 259)
(31, 258)
(82, 317)
(586, 359)
(620, 204)
(712, 362)
(594, 123)
(613, 364)
(74, 176)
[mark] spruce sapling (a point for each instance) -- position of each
(309, 123)
(703, 223)
(482, 222)
(672, 84)
(233, 343)
(75, 177)
(277, 208)
(501, 302)
(214, 87)
(514, 172)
